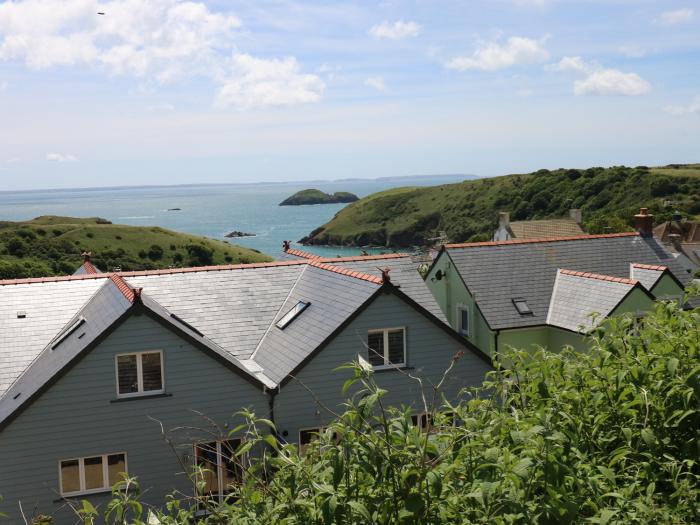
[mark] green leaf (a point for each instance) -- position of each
(648, 437)
(360, 509)
(672, 366)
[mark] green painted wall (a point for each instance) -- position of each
(667, 288)
(450, 292)
(636, 301)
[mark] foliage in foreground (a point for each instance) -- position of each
(605, 437)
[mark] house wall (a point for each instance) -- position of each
(549, 337)
(667, 289)
(449, 292)
(76, 417)
(636, 301)
(429, 352)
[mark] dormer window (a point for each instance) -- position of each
(521, 306)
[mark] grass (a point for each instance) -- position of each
(468, 211)
(52, 245)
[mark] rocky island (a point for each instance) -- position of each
(313, 196)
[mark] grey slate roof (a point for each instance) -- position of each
(48, 307)
(497, 272)
(333, 298)
(100, 311)
(647, 276)
(576, 298)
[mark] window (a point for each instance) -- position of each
(309, 435)
(292, 314)
(521, 306)
(139, 374)
(222, 470)
(423, 419)
(90, 474)
(463, 319)
(387, 348)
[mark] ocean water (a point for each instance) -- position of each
(209, 210)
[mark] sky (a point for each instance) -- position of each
(129, 92)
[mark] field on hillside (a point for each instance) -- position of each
(52, 245)
(468, 211)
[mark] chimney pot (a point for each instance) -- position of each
(675, 241)
(504, 219)
(86, 256)
(385, 275)
(644, 222)
(285, 245)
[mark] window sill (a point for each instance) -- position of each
(82, 495)
(391, 368)
(145, 396)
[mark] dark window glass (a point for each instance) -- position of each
(230, 464)
(70, 476)
(396, 350)
(291, 314)
(375, 342)
(206, 457)
(93, 473)
(522, 307)
(152, 377)
(116, 464)
(464, 320)
(127, 373)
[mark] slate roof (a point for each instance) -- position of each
(577, 296)
(497, 272)
(647, 274)
(541, 229)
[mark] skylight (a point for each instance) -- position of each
(72, 328)
(292, 314)
(521, 306)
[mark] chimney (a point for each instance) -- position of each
(285, 246)
(644, 222)
(575, 214)
(385, 275)
(503, 219)
(675, 241)
(86, 256)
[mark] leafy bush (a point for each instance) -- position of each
(607, 437)
(155, 253)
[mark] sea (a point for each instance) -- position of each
(211, 210)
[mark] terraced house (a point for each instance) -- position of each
(96, 367)
(550, 292)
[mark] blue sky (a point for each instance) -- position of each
(163, 91)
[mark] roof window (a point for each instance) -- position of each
(292, 314)
(521, 306)
(63, 336)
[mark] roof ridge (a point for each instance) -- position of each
(657, 267)
(130, 293)
(567, 219)
(546, 239)
(357, 258)
(142, 273)
(598, 276)
(344, 271)
(90, 268)
(301, 253)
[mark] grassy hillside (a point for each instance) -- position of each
(52, 246)
(468, 211)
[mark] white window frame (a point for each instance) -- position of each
(139, 374)
(385, 331)
(460, 329)
(81, 474)
(220, 495)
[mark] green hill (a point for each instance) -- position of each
(52, 245)
(468, 211)
(312, 196)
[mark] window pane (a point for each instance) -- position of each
(70, 476)
(464, 320)
(206, 457)
(116, 464)
(396, 355)
(375, 342)
(93, 473)
(126, 370)
(231, 468)
(152, 377)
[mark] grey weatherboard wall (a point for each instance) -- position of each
(76, 417)
(429, 350)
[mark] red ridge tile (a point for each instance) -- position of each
(548, 239)
(344, 271)
(589, 275)
(656, 267)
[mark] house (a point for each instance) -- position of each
(682, 238)
(143, 372)
(541, 229)
(550, 292)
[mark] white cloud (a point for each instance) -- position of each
(61, 157)
(157, 41)
(376, 83)
(257, 83)
(677, 16)
(693, 107)
(493, 55)
(598, 80)
(396, 31)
